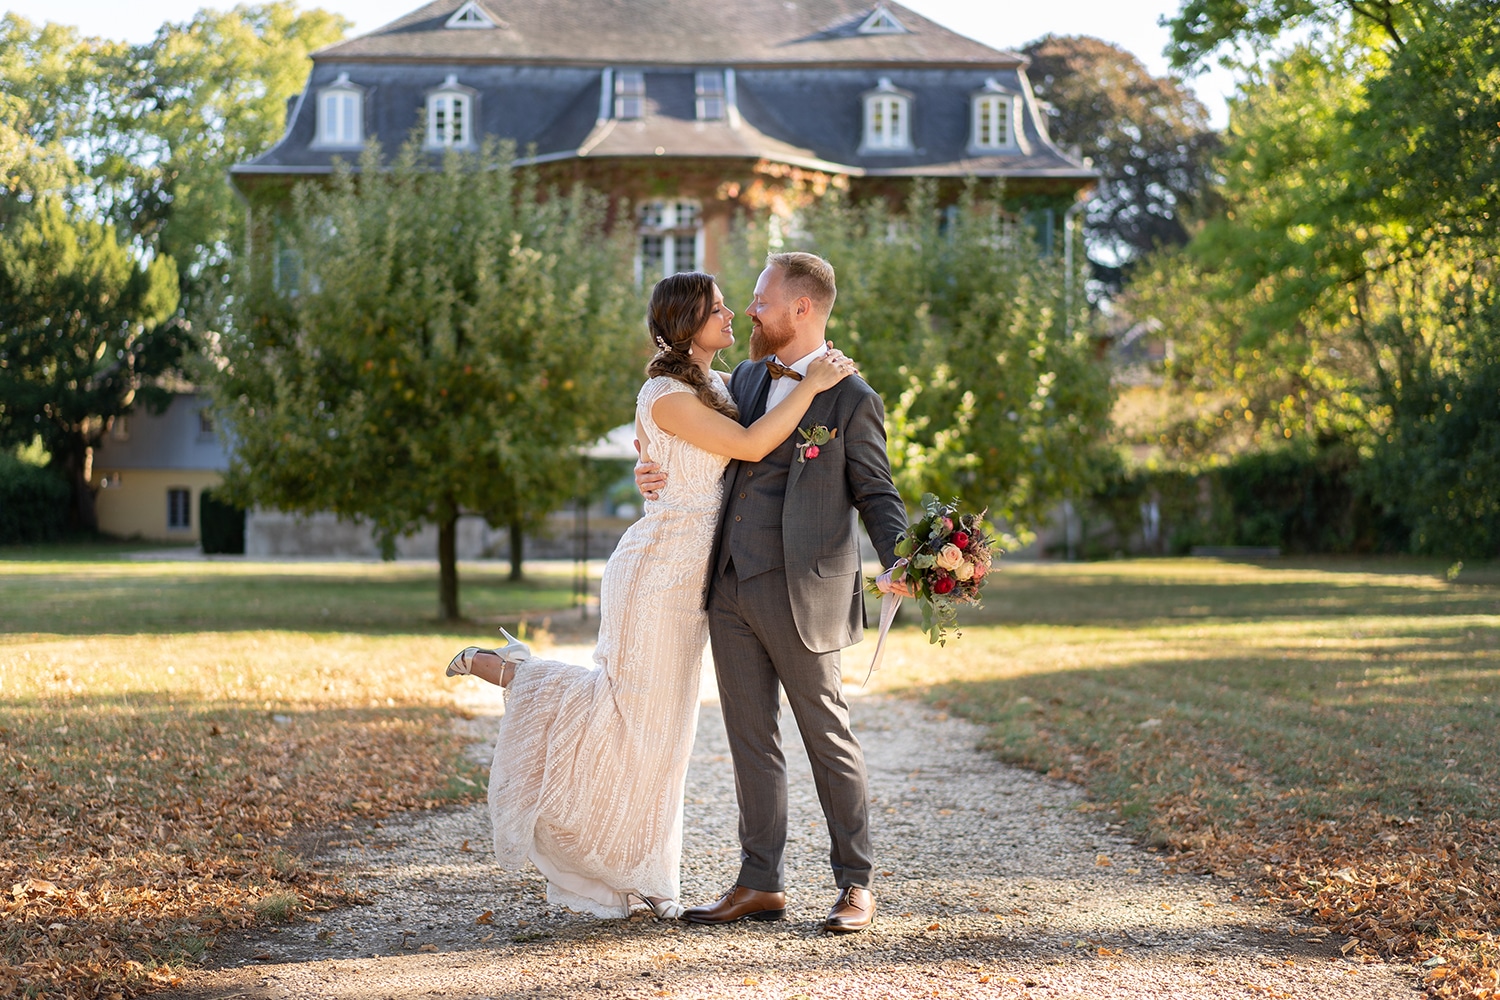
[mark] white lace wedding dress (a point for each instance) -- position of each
(590, 762)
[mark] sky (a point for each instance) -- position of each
(1005, 24)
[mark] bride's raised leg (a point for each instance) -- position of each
(498, 666)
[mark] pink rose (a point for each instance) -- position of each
(943, 585)
(947, 525)
(980, 569)
(812, 451)
(950, 557)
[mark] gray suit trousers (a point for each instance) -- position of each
(757, 652)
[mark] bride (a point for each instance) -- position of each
(590, 762)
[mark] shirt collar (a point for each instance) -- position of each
(801, 365)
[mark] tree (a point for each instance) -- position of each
(143, 136)
(113, 165)
(995, 393)
(1148, 136)
(1350, 280)
(414, 343)
(83, 335)
(204, 95)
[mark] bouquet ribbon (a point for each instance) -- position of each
(888, 605)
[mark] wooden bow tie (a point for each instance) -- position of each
(779, 370)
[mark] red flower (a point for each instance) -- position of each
(812, 451)
(961, 539)
(942, 585)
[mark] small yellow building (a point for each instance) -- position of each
(151, 471)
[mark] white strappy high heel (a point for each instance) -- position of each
(664, 909)
(514, 651)
(460, 664)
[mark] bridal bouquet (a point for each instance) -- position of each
(946, 557)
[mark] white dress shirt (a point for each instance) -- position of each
(781, 388)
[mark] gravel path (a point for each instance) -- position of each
(993, 884)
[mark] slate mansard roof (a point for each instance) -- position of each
(541, 77)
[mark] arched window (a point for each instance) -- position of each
(887, 119)
(450, 115)
(341, 114)
(994, 119)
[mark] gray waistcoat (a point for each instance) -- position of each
(754, 498)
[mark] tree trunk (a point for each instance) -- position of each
(448, 567)
(85, 515)
(517, 537)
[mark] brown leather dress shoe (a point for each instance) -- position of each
(853, 911)
(739, 903)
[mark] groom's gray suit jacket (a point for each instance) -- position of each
(780, 512)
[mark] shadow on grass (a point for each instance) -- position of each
(1137, 595)
(90, 597)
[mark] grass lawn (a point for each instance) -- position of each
(1323, 730)
(163, 725)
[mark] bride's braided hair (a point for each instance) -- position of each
(680, 305)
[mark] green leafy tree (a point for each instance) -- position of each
(83, 335)
(1344, 293)
(995, 394)
(143, 136)
(1148, 136)
(204, 95)
(416, 343)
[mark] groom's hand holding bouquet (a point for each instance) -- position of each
(944, 559)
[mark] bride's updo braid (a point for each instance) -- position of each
(680, 305)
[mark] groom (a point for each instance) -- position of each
(784, 596)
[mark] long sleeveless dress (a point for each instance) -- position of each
(591, 762)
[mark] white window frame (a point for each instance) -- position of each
(995, 112)
(446, 105)
(678, 224)
(711, 95)
(984, 106)
(470, 16)
(341, 115)
(887, 120)
(630, 94)
(881, 22)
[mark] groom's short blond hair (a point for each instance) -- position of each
(807, 274)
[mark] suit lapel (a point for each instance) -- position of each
(756, 393)
(817, 413)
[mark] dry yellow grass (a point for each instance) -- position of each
(151, 770)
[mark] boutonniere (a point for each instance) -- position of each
(813, 438)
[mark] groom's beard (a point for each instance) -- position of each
(765, 341)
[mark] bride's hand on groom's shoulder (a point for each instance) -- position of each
(830, 369)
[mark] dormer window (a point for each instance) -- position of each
(709, 88)
(450, 115)
(630, 94)
(887, 119)
(881, 22)
(470, 15)
(993, 118)
(341, 114)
